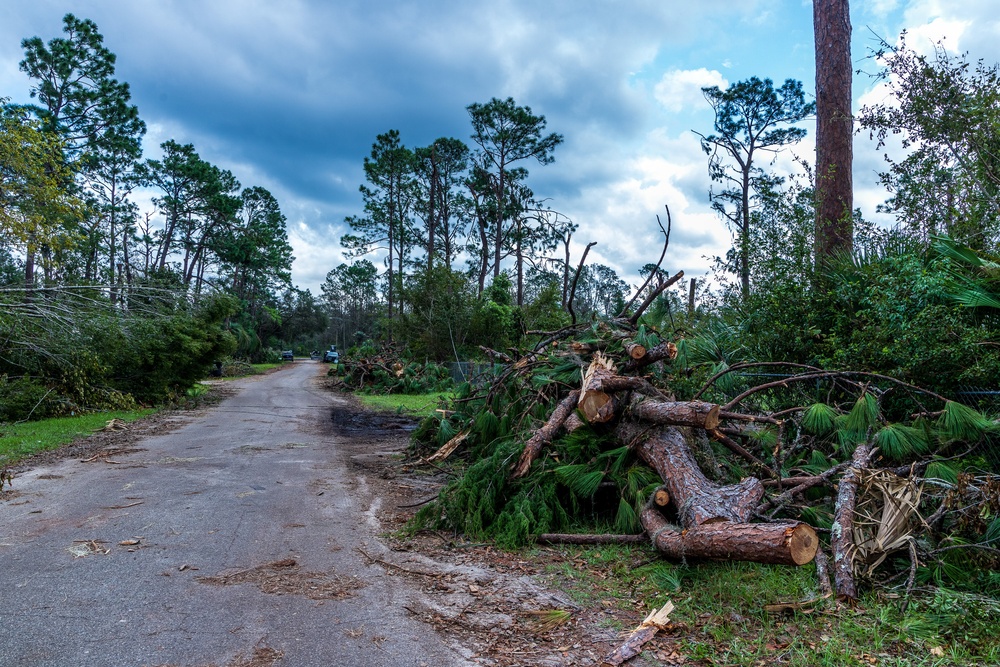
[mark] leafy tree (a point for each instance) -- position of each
(35, 206)
(74, 80)
(505, 134)
(751, 117)
(834, 127)
(387, 223)
(351, 296)
(946, 112)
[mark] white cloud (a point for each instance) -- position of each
(681, 89)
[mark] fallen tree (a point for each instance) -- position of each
(608, 425)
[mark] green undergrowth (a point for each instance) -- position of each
(416, 405)
(720, 616)
(18, 441)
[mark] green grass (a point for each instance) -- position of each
(721, 619)
(417, 405)
(20, 440)
(258, 369)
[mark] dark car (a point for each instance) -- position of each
(331, 355)
(287, 355)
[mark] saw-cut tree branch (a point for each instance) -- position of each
(662, 352)
(793, 543)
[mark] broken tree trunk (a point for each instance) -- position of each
(597, 405)
(545, 434)
(793, 543)
(697, 499)
(842, 531)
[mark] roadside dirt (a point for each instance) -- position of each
(506, 606)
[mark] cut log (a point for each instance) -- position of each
(681, 413)
(657, 620)
(634, 350)
(545, 434)
(574, 538)
(661, 497)
(792, 543)
(662, 352)
(698, 500)
(842, 531)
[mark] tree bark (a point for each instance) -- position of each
(545, 434)
(662, 352)
(683, 413)
(697, 499)
(791, 543)
(842, 531)
(834, 128)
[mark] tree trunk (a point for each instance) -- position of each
(776, 543)
(683, 413)
(834, 128)
(697, 499)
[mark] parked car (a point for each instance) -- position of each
(287, 355)
(331, 355)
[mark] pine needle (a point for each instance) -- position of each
(818, 419)
(864, 415)
(960, 422)
(580, 478)
(898, 441)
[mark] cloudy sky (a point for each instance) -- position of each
(290, 94)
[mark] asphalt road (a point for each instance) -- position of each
(249, 530)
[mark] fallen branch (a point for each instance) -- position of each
(842, 532)
(575, 538)
(657, 620)
(545, 434)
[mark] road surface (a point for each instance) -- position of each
(235, 540)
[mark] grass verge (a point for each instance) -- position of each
(18, 441)
(720, 619)
(416, 405)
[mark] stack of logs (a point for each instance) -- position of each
(714, 521)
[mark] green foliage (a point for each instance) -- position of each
(818, 419)
(960, 422)
(900, 442)
(101, 358)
